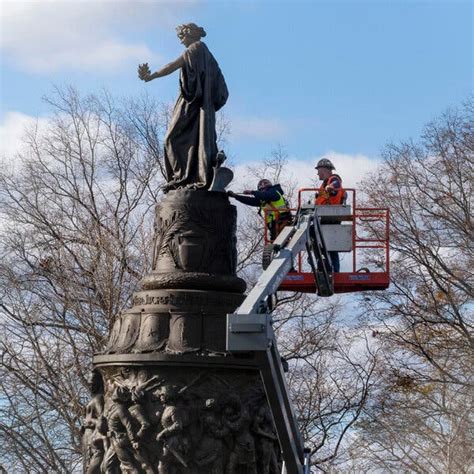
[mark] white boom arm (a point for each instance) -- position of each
(250, 330)
(281, 264)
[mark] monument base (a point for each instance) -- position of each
(173, 401)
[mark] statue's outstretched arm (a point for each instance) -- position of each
(145, 74)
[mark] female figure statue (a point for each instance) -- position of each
(190, 142)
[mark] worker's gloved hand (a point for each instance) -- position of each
(230, 193)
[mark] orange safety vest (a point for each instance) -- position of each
(324, 198)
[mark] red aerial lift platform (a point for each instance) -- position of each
(369, 232)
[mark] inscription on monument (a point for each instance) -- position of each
(186, 298)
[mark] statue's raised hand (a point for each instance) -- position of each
(144, 72)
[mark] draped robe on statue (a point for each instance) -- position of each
(190, 142)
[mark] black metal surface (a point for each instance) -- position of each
(247, 361)
(288, 432)
(323, 268)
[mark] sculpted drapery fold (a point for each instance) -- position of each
(190, 142)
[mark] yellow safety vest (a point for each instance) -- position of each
(273, 208)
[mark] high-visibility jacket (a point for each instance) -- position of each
(274, 208)
(324, 197)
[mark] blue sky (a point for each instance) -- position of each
(316, 77)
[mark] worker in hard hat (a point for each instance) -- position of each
(330, 192)
(272, 203)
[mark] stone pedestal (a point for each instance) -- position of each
(173, 401)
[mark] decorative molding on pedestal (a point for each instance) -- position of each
(173, 401)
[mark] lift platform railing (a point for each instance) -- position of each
(360, 217)
(370, 234)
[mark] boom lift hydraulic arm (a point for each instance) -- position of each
(250, 329)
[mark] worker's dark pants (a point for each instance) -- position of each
(276, 226)
(334, 256)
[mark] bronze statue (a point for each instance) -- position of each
(266, 441)
(124, 442)
(174, 401)
(173, 436)
(94, 428)
(210, 456)
(190, 142)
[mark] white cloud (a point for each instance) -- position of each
(299, 174)
(12, 133)
(352, 168)
(257, 127)
(105, 56)
(47, 36)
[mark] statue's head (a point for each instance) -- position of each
(189, 33)
(168, 394)
(95, 382)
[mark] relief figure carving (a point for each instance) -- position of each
(142, 411)
(94, 428)
(175, 442)
(187, 421)
(123, 439)
(242, 459)
(266, 441)
(212, 450)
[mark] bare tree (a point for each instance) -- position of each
(79, 207)
(78, 213)
(421, 419)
